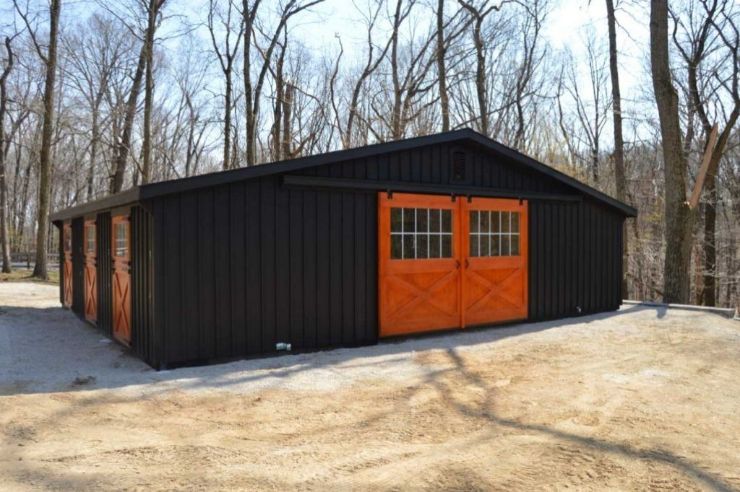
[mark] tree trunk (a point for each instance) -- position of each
(93, 153)
(42, 218)
(123, 146)
(708, 290)
(480, 76)
(677, 263)
(287, 115)
(227, 121)
(153, 10)
(444, 100)
(619, 170)
(4, 233)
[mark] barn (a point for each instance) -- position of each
(441, 232)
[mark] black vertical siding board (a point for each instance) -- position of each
(335, 268)
(188, 287)
(253, 259)
(222, 221)
(143, 334)
(346, 258)
(206, 267)
(78, 266)
(308, 251)
(371, 261)
(160, 284)
(296, 243)
(237, 254)
(60, 251)
(282, 265)
(267, 250)
(172, 308)
(360, 269)
(104, 272)
(323, 269)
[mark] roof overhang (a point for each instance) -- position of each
(154, 190)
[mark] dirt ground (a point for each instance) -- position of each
(645, 398)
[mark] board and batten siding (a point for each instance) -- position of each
(104, 272)
(242, 266)
(78, 266)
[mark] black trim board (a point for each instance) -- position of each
(369, 186)
(153, 190)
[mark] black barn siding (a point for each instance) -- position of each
(60, 226)
(242, 266)
(78, 266)
(144, 338)
(229, 265)
(104, 270)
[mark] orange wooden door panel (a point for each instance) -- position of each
(495, 246)
(418, 294)
(67, 265)
(91, 286)
(121, 247)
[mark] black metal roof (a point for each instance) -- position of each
(143, 192)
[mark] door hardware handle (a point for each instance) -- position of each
(457, 264)
(467, 263)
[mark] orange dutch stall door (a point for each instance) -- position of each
(121, 246)
(91, 285)
(450, 264)
(67, 265)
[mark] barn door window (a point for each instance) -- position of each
(494, 233)
(421, 233)
(90, 239)
(121, 239)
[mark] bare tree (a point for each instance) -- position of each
(620, 180)
(479, 15)
(4, 144)
(677, 214)
(252, 93)
(226, 55)
(153, 9)
(49, 59)
(707, 38)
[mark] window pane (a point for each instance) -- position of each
(447, 246)
(396, 240)
(473, 221)
(495, 245)
(422, 220)
(505, 245)
(505, 221)
(485, 245)
(396, 218)
(408, 246)
(473, 245)
(485, 221)
(422, 246)
(434, 245)
(434, 218)
(514, 221)
(409, 219)
(515, 245)
(447, 221)
(495, 222)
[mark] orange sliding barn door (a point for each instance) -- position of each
(450, 264)
(419, 265)
(121, 247)
(67, 264)
(495, 280)
(91, 285)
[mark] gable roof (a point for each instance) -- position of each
(144, 192)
